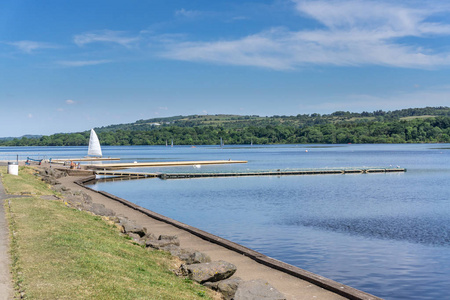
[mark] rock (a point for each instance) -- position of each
(50, 180)
(128, 226)
(52, 173)
(100, 210)
(60, 188)
(163, 241)
(74, 200)
(149, 236)
(212, 271)
(189, 256)
(161, 244)
(226, 287)
(168, 238)
(136, 238)
(85, 196)
(257, 290)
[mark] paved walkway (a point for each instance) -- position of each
(6, 289)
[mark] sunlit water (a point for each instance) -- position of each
(386, 234)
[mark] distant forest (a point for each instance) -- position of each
(413, 125)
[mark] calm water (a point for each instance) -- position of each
(386, 234)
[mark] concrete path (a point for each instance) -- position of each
(6, 289)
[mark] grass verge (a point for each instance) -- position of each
(62, 253)
(25, 183)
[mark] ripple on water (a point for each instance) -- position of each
(421, 230)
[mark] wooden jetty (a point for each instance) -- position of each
(278, 173)
(62, 160)
(120, 174)
(118, 166)
(125, 174)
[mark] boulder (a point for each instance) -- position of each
(211, 271)
(136, 238)
(162, 244)
(74, 200)
(127, 226)
(52, 173)
(257, 290)
(60, 188)
(226, 287)
(50, 180)
(189, 256)
(100, 210)
(163, 241)
(149, 236)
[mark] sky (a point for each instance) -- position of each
(68, 66)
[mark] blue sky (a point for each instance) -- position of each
(68, 66)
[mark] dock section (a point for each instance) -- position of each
(278, 173)
(125, 174)
(62, 160)
(118, 166)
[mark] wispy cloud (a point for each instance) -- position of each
(30, 46)
(106, 36)
(70, 101)
(353, 33)
(82, 63)
(187, 13)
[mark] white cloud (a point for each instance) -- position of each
(105, 36)
(82, 63)
(69, 101)
(187, 13)
(353, 33)
(30, 115)
(30, 46)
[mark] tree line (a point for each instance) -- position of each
(419, 130)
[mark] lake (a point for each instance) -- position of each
(386, 234)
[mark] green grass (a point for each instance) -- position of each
(417, 117)
(62, 253)
(25, 183)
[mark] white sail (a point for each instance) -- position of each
(94, 145)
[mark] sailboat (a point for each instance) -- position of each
(171, 145)
(94, 145)
(221, 142)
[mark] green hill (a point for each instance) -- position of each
(412, 125)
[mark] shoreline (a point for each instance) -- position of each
(293, 282)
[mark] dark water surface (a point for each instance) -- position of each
(386, 234)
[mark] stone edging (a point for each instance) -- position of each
(328, 284)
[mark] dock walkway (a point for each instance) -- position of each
(118, 166)
(112, 173)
